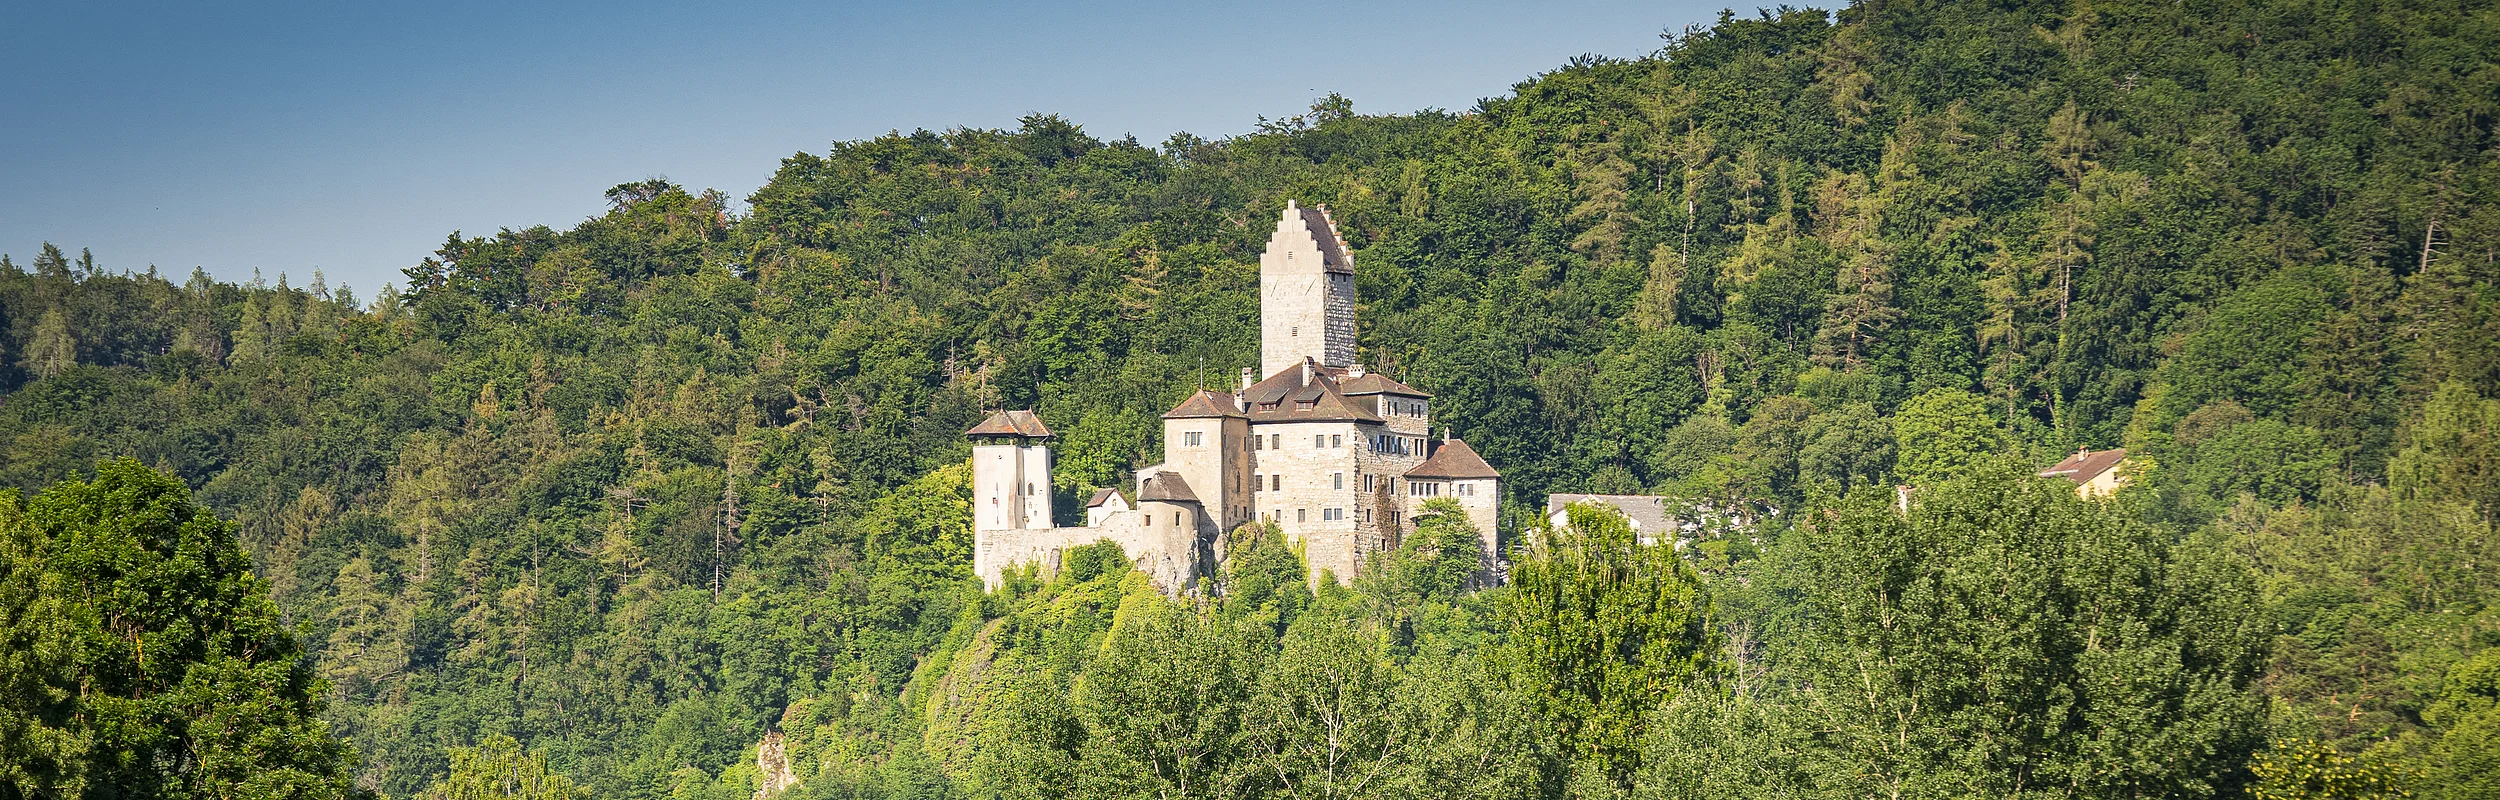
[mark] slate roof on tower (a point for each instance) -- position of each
(1453, 460)
(1166, 487)
(1287, 397)
(1332, 253)
(1205, 404)
(1012, 423)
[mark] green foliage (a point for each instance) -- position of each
(2465, 761)
(1442, 559)
(640, 491)
(2003, 638)
(2313, 771)
(145, 659)
(1845, 450)
(497, 769)
(1602, 628)
(1944, 433)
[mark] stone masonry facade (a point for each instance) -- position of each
(1339, 458)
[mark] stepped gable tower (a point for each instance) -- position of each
(1010, 472)
(1306, 293)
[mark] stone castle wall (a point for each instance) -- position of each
(1168, 554)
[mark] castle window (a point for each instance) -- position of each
(1276, 482)
(1336, 442)
(1319, 442)
(1339, 477)
(1176, 518)
(1190, 438)
(1466, 489)
(1258, 442)
(1367, 483)
(1275, 441)
(1150, 520)
(1301, 515)
(1297, 329)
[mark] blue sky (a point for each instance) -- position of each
(352, 137)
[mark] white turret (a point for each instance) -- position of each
(1010, 473)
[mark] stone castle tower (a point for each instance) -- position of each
(1306, 294)
(1341, 459)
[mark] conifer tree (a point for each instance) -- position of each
(50, 350)
(498, 769)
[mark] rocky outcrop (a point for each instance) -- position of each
(772, 767)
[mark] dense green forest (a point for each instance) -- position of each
(609, 510)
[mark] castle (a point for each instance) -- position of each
(1339, 458)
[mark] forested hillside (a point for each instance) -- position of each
(687, 477)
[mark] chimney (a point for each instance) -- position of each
(1247, 378)
(2082, 452)
(1355, 371)
(1306, 370)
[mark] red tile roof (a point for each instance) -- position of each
(1205, 404)
(2086, 465)
(1453, 460)
(1102, 496)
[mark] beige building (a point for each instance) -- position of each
(1339, 458)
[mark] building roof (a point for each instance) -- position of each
(1012, 423)
(1647, 512)
(1204, 404)
(1102, 496)
(1332, 253)
(1376, 383)
(1166, 487)
(1294, 400)
(1453, 460)
(2086, 464)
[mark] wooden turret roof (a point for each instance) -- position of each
(1012, 423)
